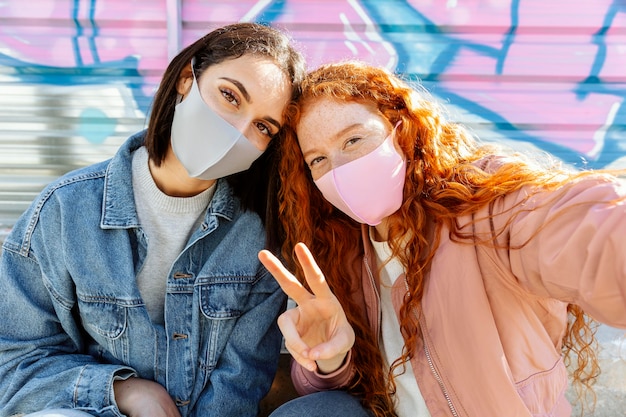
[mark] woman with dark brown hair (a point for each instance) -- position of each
(132, 287)
(451, 278)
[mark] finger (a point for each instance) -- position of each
(293, 342)
(290, 285)
(314, 276)
(340, 343)
(287, 322)
(309, 364)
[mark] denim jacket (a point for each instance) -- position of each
(74, 320)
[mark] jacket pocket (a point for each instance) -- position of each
(544, 392)
(105, 320)
(221, 304)
(221, 300)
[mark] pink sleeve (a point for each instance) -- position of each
(570, 245)
(307, 382)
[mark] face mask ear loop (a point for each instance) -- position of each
(193, 63)
(395, 140)
(398, 123)
(195, 79)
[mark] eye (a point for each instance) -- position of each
(316, 161)
(230, 96)
(264, 129)
(351, 141)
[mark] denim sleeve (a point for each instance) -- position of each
(248, 363)
(40, 343)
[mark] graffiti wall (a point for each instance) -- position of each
(77, 76)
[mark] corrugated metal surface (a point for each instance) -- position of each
(75, 81)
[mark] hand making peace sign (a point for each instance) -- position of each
(316, 331)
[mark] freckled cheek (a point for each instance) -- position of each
(318, 173)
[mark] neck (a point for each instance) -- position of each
(381, 231)
(172, 178)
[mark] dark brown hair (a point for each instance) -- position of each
(222, 44)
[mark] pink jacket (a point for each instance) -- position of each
(494, 319)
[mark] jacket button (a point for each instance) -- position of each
(182, 403)
(179, 336)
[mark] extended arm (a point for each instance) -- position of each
(317, 332)
(570, 244)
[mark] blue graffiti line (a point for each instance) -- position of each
(80, 32)
(425, 51)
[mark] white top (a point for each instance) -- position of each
(409, 400)
(167, 223)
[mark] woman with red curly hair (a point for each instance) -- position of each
(451, 277)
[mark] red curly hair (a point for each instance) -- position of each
(443, 182)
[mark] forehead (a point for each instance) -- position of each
(326, 117)
(268, 86)
(334, 112)
(250, 66)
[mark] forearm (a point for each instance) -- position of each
(577, 253)
(60, 382)
(41, 363)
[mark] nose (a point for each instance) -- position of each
(338, 159)
(246, 126)
(240, 125)
(251, 132)
(334, 160)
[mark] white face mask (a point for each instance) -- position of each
(205, 144)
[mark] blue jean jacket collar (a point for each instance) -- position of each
(119, 202)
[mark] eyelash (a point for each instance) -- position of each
(231, 97)
(267, 132)
(318, 159)
(352, 141)
(315, 161)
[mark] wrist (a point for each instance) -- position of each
(328, 366)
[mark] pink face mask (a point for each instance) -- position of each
(369, 188)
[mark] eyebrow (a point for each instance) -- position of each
(240, 86)
(246, 95)
(334, 137)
